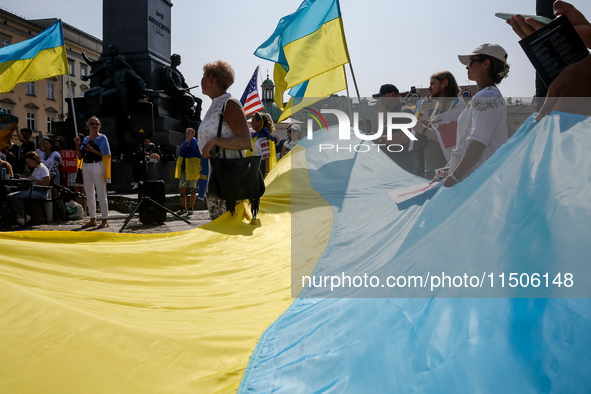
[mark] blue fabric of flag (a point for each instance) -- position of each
(50, 38)
(524, 210)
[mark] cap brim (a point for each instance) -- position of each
(377, 95)
(464, 59)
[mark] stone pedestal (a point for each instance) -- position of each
(141, 30)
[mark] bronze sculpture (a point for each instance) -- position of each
(115, 85)
(175, 86)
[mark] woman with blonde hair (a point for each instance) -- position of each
(218, 76)
(95, 153)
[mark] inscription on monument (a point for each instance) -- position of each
(158, 23)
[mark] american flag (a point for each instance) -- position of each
(250, 98)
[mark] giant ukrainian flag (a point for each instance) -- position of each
(40, 57)
(306, 46)
(211, 310)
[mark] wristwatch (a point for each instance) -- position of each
(452, 176)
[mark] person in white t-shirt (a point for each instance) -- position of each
(50, 158)
(482, 126)
(39, 177)
(294, 136)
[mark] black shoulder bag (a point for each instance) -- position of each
(233, 180)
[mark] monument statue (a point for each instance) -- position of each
(115, 85)
(175, 86)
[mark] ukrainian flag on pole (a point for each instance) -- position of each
(309, 49)
(40, 57)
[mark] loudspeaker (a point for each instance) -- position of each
(141, 121)
(150, 212)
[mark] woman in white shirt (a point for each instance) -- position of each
(39, 177)
(294, 136)
(218, 76)
(482, 126)
(50, 158)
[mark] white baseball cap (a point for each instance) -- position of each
(294, 127)
(492, 50)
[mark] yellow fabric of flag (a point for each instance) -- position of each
(317, 88)
(85, 312)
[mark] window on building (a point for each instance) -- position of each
(4, 42)
(466, 94)
(49, 120)
(83, 70)
(50, 91)
(32, 121)
(7, 111)
(71, 66)
(72, 88)
(30, 88)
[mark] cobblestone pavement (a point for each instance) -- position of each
(116, 220)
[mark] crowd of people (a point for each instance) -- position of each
(41, 164)
(480, 128)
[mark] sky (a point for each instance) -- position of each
(389, 41)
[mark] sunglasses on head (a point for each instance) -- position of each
(94, 124)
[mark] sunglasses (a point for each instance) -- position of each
(470, 61)
(94, 124)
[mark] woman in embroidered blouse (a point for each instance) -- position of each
(482, 126)
(218, 76)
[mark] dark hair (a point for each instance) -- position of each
(62, 142)
(33, 156)
(498, 70)
(52, 142)
(27, 130)
(452, 89)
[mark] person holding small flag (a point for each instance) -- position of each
(263, 143)
(187, 170)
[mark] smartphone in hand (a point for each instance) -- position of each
(541, 19)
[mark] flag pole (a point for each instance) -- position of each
(351, 65)
(72, 101)
(348, 96)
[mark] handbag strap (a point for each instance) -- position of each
(217, 148)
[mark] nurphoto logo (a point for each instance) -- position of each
(393, 121)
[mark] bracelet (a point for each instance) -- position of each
(452, 176)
